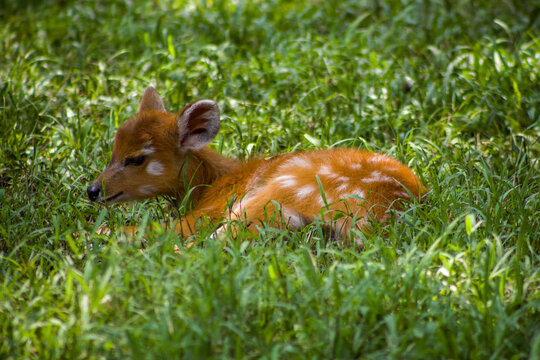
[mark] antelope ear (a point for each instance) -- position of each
(151, 100)
(198, 124)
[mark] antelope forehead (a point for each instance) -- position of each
(126, 143)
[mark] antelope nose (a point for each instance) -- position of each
(93, 192)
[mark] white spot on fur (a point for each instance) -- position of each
(286, 180)
(356, 166)
(291, 218)
(377, 176)
(237, 207)
(325, 170)
(147, 190)
(155, 168)
(297, 161)
(329, 200)
(378, 158)
(295, 221)
(343, 161)
(402, 193)
(305, 191)
(359, 193)
(255, 182)
(343, 179)
(148, 151)
(241, 203)
(342, 187)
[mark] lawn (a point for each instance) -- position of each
(451, 88)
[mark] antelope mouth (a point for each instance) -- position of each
(112, 197)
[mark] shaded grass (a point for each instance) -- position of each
(450, 88)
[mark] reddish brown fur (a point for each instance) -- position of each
(357, 185)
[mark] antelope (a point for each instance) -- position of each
(160, 153)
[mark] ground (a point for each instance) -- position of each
(450, 88)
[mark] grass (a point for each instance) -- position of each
(449, 87)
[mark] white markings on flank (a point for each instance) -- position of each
(297, 161)
(377, 176)
(343, 161)
(239, 205)
(286, 180)
(305, 191)
(359, 193)
(356, 166)
(324, 170)
(155, 168)
(402, 193)
(292, 218)
(242, 202)
(295, 221)
(342, 187)
(378, 158)
(255, 181)
(329, 200)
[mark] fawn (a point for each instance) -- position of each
(159, 153)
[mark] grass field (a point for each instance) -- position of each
(451, 88)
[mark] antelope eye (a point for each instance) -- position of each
(135, 161)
